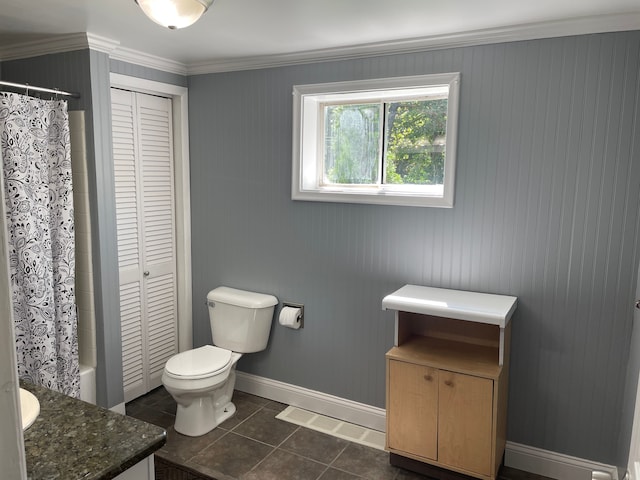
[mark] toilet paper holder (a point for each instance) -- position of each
(296, 305)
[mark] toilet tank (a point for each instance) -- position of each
(240, 320)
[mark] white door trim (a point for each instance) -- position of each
(180, 100)
(633, 465)
(634, 449)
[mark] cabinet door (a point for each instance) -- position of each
(464, 423)
(413, 409)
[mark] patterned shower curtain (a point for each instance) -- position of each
(36, 158)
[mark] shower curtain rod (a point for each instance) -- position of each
(27, 87)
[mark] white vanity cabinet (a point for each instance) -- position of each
(143, 470)
(447, 379)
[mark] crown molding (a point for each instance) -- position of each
(624, 21)
(44, 46)
(101, 44)
(147, 60)
(560, 28)
(83, 40)
(57, 44)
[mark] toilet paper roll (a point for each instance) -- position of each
(290, 317)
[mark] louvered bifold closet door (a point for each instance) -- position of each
(129, 241)
(143, 167)
(158, 220)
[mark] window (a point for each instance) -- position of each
(385, 141)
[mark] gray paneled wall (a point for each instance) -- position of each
(546, 209)
(66, 71)
(132, 70)
(105, 242)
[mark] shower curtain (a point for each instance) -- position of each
(36, 160)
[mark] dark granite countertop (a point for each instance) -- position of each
(72, 439)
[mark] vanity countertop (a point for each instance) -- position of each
(72, 439)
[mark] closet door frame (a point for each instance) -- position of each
(179, 101)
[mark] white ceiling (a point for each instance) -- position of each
(237, 31)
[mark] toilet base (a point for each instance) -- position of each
(227, 412)
(207, 419)
(201, 410)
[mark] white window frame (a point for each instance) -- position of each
(308, 136)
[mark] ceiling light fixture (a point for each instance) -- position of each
(174, 14)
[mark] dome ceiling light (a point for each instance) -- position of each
(174, 14)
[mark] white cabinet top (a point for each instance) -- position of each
(471, 306)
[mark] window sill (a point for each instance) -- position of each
(377, 198)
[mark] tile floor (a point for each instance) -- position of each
(255, 445)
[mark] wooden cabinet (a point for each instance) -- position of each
(465, 405)
(412, 412)
(447, 381)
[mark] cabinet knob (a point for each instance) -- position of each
(448, 383)
(428, 378)
(145, 273)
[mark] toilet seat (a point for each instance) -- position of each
(198, 363)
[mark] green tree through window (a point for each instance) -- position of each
(414, 139)
(415, 136)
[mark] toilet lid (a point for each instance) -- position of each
(199, 362)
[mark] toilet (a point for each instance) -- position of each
(202, 380)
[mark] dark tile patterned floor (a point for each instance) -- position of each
(254, 445)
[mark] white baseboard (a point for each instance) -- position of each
(522, 457)
(555, 465)
(318, 402)
(119, 408)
